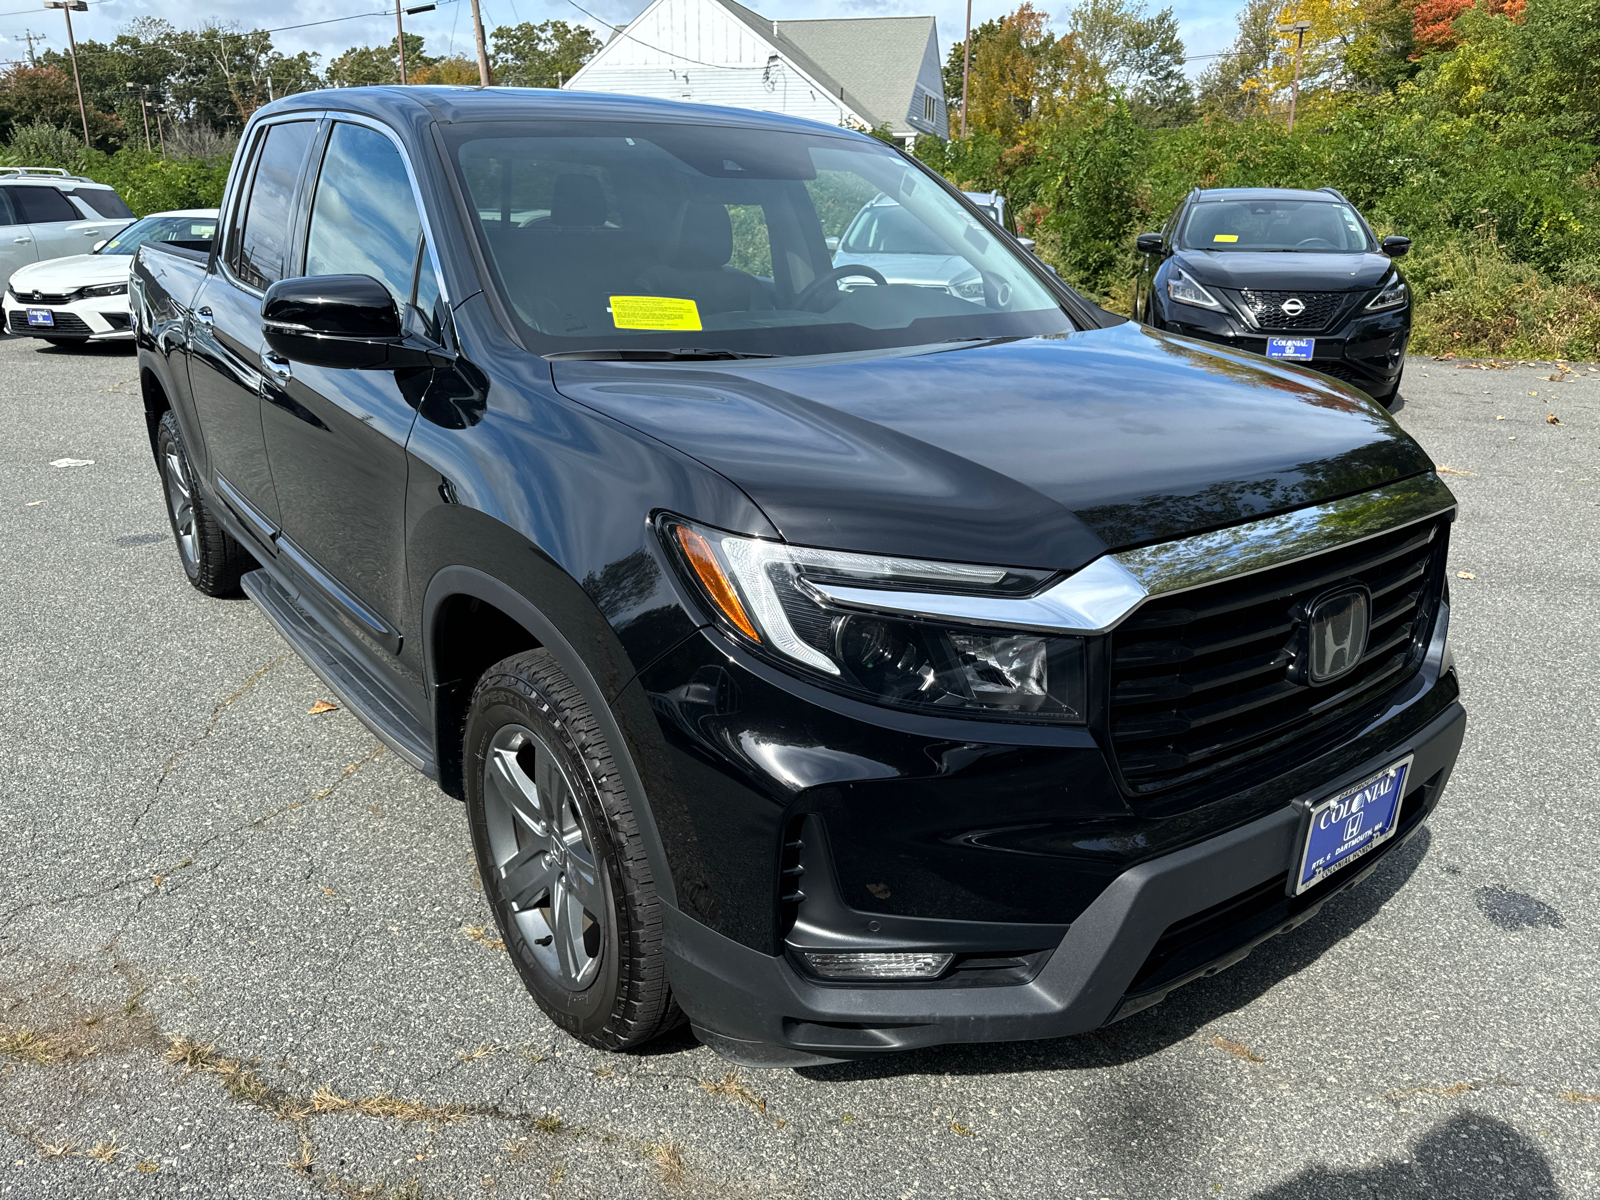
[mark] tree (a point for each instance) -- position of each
(542, 55)
(45, 94)
(955, 65)
(1138, 56)
(1021, 74)
(366, 66)
(1226, 86)
(224, 73)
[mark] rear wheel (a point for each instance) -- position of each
(559, 852)
(211, 558)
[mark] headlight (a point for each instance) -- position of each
(1186, 291)
(1392, 296)
(765, 595)
(968, 289)
(105, 289)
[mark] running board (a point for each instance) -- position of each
(351, 682)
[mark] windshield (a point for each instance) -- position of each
(644, 236)
(196, 232)
(1309, 226)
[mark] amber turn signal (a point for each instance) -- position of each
(699, 553)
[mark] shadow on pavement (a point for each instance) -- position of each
(1175, 1019)
(1467, 1157)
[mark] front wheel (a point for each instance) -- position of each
(211, 558)
(559, 853)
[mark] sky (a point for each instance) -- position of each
(1207, 25)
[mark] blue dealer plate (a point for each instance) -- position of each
(1301, 348)
(1349, 826)
(41, 316)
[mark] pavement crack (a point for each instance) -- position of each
(216, 716)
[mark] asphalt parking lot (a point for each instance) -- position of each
(242, 950)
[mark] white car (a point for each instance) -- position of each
(85, 297)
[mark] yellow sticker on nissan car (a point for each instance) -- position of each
(654, 312)
(1226, 237)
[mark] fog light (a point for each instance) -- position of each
(874, 965)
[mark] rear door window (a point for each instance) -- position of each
(262, 253)
(42, 206)
(7, 216)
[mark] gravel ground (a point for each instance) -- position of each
(242, 951)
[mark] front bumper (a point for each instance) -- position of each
(100, 318)
(1160, 924)
(1366, 351)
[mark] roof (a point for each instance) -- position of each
(873, 62)
(1264, 193)
(406, 106)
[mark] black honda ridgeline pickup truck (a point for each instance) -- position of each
(844, 656)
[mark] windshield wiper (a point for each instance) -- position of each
(643, 354)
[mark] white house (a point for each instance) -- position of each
(860, 72)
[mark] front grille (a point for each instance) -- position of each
(68, 324)
(1199, 683)
(1267, 308)
(38, 298)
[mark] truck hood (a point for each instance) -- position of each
(1041, 452)
(1304, 272)
(56, 275)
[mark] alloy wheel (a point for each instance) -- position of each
(180, 502)
(544, 860)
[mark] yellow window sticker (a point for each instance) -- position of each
(1226, 237)
(654, 312)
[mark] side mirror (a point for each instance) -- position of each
(1149, 243)
(1394, 247)
(832, 243)
(348, 321)
(1027, 244)
(99, 246)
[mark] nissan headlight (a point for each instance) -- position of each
(768, 596)
(1184, 290)
(104, 289)
(968, 289)
(1392, 296)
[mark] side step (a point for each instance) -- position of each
(352, 683)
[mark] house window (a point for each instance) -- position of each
(927, 107)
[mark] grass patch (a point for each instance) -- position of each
(1237, 1049)
(668, 1159)
(733, 1088)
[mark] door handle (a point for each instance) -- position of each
(278, 366)
(203, 315)
(91, 233)
(23, 241)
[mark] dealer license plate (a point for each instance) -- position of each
(1300, 348)
(1345, 828)
(41, 316)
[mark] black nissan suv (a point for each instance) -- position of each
(840, 665)
(1293, 275)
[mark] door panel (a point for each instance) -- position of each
(336, 438)
(225, 367)
(16, 242)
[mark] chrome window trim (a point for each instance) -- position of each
(1105, 593)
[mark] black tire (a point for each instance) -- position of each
(211, 558)
(528, 728)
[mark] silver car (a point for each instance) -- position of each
(885, 237)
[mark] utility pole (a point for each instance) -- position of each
(141, 90)
(68, 7)
(483, 55)
(162, 137)
(1299, 29)
(31, 37)
(400, 41)
(966, 67)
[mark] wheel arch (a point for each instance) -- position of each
(505, 622)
